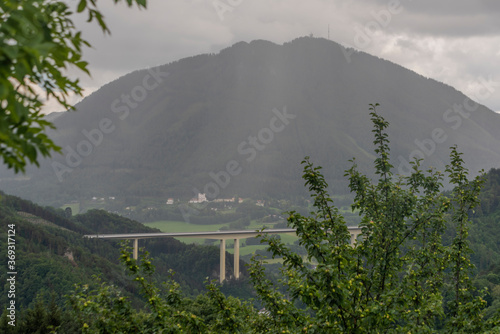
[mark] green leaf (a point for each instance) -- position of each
(81, 6)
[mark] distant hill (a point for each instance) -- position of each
(240, 121)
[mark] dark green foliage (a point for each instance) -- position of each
(485, 246)
(38, 42)
(167, 310)
(102, 222)
(490, 196)
(68, 213)
(486, 233)
(18, 204)
(45, 316)
(253, 211)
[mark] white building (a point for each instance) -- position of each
(200, 199)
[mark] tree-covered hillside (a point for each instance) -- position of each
(52, 255)
(485, 234)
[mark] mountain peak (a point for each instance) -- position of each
(257, 109)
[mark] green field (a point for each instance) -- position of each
(246, 250)
(170, 226)
(179, 226)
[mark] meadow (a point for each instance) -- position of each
(169, 226)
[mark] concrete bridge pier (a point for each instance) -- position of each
(136, 249)
(354, 236)
(222, 275)
(237, 258)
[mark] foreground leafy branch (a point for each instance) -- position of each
(105, 310)
(38, 44)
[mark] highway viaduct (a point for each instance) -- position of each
(219, 235)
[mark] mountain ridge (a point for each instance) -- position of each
(166, 131)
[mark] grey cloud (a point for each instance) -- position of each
(437, 18)
(447, 40)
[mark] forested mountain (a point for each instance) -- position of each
(485, 235)
(249, 115)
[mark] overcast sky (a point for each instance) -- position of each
(453, 41)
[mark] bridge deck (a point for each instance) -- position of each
(207, 235)
(220, 235)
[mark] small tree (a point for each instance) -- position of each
(394, 278)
